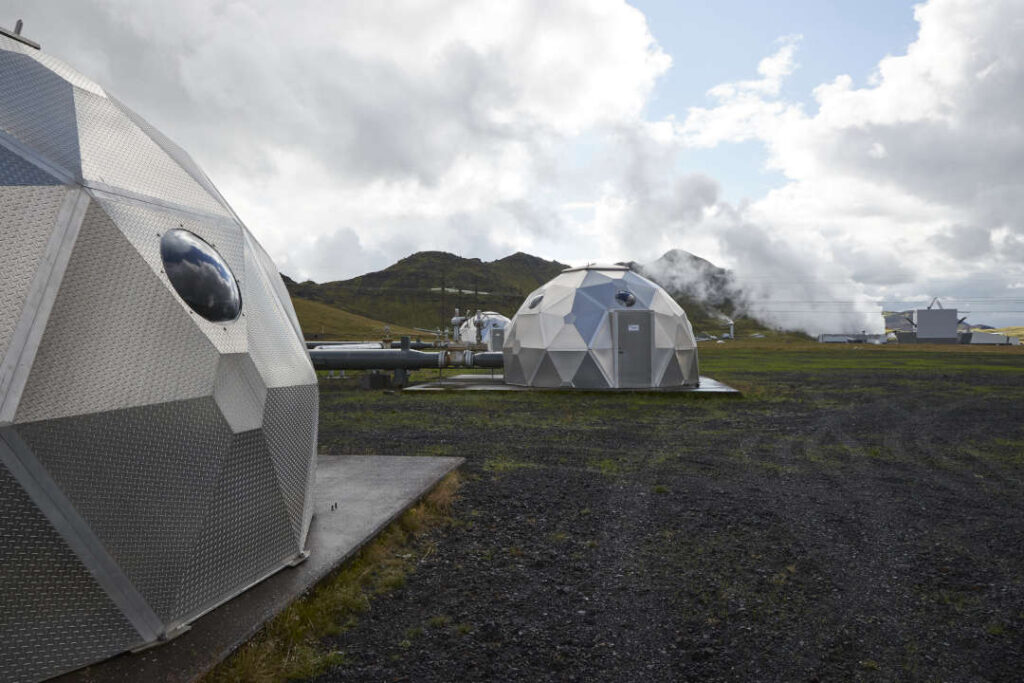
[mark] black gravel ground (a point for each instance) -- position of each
(860, 523)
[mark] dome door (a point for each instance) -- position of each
(634, 347)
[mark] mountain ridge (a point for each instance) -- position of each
(423, 289)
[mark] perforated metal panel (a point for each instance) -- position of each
(54, 616)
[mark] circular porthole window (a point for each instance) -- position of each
(536, 301)
(625, 298)
(200, 276)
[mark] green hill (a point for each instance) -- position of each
(320, 321)
(424, 289)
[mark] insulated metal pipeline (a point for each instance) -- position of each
(341, 358)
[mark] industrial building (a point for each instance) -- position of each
(600, 327)
(158, 410)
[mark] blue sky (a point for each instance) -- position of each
(721, 41)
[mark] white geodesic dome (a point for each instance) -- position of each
(600, 327)
(487, 321)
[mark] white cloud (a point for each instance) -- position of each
(348, 135)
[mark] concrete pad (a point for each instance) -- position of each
(371, 491)
(483, 382)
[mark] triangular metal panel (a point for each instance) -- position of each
(239, 392)
(593, 277)
(561, 305)
(15, 171)
(688, 365)
(568, 339)
(246, 533)
(684, 336)
(290, 428)
(141, 478)
(176, 153)
(281, 359)
(117, 154)
(672, 376)
(605, 360)
(111, 319)
(277, 284)
(588, 375)
(567, 363)
(28, 216)
(38, 111)
(52, 604)
(570, 280)
(602, 337)
(547, 374)
(664, 332)
(550, 325)
(529, 360)
(144, 224)
(514, 370)
(66, 72)
(660, 360)
(661, 302)
(527, 330)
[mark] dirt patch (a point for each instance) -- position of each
(864, 523)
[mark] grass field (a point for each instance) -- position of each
(857, 515)
(320, 321)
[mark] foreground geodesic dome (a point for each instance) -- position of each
(600, 327)
(158, 412)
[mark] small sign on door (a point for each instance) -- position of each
(633, 328)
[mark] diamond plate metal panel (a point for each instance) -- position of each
(277, 284)
(247, 532)
(16, 171)
(116, 337)
(54, 617)
(68, 73)
(142, 478)
(176, 153)
(280, 357)
(239, 392)
(290, 428)
(27, 219)
(143, 225)
(116, 153)
(37, 110)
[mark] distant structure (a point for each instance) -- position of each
(600, 327)
(936, 326)
(158, 410)
(479, 328)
